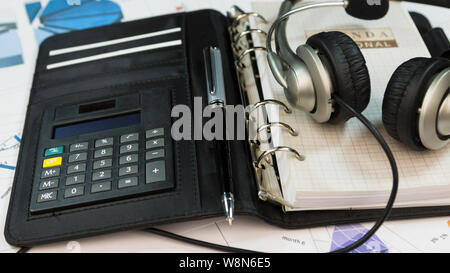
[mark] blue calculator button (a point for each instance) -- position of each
(54, 151)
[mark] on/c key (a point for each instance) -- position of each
(52, 162)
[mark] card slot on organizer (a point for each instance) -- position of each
(111, 53)
(152, 58)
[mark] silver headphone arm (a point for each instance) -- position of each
(277, 62)
(281, 41)
(286, 15)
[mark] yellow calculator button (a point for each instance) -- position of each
(52, 162)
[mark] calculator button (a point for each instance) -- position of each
(128, 159)
(103, 152)
(129, 137)
(79, 147)
(47, 196)
(50, 172)
(154, 143)
(106, 174)
(76, 168)
(154, 133)
(101, 186)
(129, 148)
(54, 151)
(155, 171)
(104, 163)
(52, 162)
(75, 179)
(77, 157)
(73, 191)
(128, 182)
(154, 154)
(128, 170)
(48, 184)
(104, 142)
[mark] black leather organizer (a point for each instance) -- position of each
(149, 83)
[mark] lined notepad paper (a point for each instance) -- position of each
(345, 167)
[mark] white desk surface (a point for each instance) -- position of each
(422, 235)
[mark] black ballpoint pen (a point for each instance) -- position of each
(216, 98)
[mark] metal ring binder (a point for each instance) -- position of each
(239, 36)
(247, 51)
(277, 124)
(277, 149)
(272, 101)
(238, 16)
(242, 16)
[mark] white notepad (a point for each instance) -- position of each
(345, 167)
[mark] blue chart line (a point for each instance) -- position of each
(9, 144)
(3, 166)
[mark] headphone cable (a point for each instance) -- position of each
(356, 244)
(394, 190)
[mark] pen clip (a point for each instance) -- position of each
(215, 83)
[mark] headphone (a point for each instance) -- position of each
(416, 104)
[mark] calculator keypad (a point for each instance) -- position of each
(82, 173)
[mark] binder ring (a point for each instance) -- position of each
(248, 51)
(277, 124)
(237, 38)
(258, 163)
(242, 16)
(271, 101)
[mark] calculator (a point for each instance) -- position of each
(99, 152)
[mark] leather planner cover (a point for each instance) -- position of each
(162, 77)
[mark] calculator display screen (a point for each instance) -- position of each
(91, 126)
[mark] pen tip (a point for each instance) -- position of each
(230, 221)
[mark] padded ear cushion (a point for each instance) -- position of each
(404, 97)
(348, 71)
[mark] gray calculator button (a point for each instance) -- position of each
(129, 148)
(50, 172)
(154, 132)
(73, 191)
(106, 174)
(155, 171)
(104, 163)
(76, 168)
(154, 143)
(128, 182)
(103, 152)
(154, 154)
(75, 179)
(101, 186)
(82, 146)
(77, 157)
(47, 196)
(48, 184)
(128, 170)
(126, 159)
(129, 137)
(104, 142)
